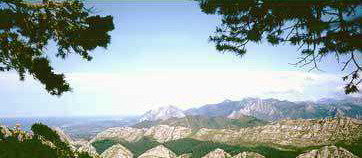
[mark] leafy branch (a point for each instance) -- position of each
(317, 28)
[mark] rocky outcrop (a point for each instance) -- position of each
(21, 135)
(217, 153)
(185, 155)
(164, 133)
(125, 133)
(328, 151)
(299, 133)
(162, 113)
(74, 145)
(289, 132)
(64, 137)
(87, 147)
(158, 152)
(248, 155)
(235, 115)
(5, 131)
(79, 143)
(267, 109)
(117, 151)
(160, 133)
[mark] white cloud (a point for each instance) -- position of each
(138, 91)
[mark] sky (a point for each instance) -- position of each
(160, 55)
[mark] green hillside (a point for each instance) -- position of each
(354, 147)
(137, 148)
(198, 148)
(201, 148)
(197, 122)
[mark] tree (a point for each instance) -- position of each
(318, 27)
(49, 134)
(44, 142)
(27, 28)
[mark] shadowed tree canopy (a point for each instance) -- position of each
(42, 142)
(27, 28)
(317, 27)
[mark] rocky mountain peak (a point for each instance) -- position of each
(357, 100)
(161, 133)
(217, 153)
(158, 152)
(117, 151)
(274, 109)
(127, 133)
(226, 101)
(328, 151)
(162, 113)
(164, 133)
(88, 148)
(248, 155)
(259, 107)
(251, 99)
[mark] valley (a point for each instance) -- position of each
(251, 127)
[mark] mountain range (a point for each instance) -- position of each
(265, 109)
(249, 128)
(286, 138)
(197, 122)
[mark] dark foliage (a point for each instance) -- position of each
(103, 145)
(33, 148)
(182, 146)
(198, 148)
(49, 134)
(201, 148)
(354, 147)
(26, 29)
(19, 144)
(318, 27)
(141, 145)
(137, 148)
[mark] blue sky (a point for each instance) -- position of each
(160, 55)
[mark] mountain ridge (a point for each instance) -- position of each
(198, 121)
(269, 109)
(273, 109)
(162, 113)
(301, 132)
